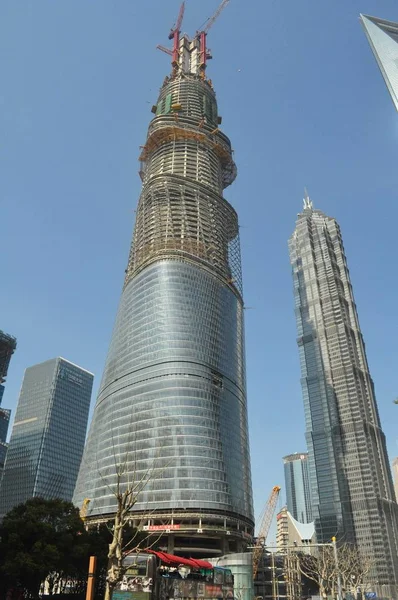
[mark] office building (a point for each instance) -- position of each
(297, 487)
(8, 344)
(172, 401)
(383, 39)
(351, 487)
(395, 476)
(47, 438)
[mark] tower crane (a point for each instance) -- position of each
(175, 36)
(204, 54)
(200, 38)
(264, 527)
(210, 21)
(177, 26)
(164, 49)
(84, 508)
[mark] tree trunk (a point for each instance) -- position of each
(109, 590)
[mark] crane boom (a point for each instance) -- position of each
(177, 26)
(164, 49)
(264, 527)
(84, 508)
(211, 20)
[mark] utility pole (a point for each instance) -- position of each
(91, 578)
(273, 576)
(336, 560)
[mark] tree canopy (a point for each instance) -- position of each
(45, 539)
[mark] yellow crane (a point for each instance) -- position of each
(84, 508)
(264, 527)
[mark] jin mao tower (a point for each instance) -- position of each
(172, 400)
(352, 494)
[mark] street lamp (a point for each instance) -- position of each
(336, 561)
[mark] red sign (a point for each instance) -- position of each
(159, 527)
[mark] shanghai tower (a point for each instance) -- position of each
(351, 486)
(172, 400)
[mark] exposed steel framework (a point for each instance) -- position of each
(185, 213)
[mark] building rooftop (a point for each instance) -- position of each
(295, 456)
(8, 343)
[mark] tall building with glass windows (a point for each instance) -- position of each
(383, 39)
(350, 479)
(48, 434)
(297, 487)
(172, 401)
(8, 344)
(395, 476)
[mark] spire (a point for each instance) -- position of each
(307, 201)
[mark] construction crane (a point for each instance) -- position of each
(204, 54)
(175, 36)
(264, 527)
(177, 26)
(210, 21)
(200, 38)
(164, 49)
(84, 508)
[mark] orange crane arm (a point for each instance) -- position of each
(264, 527)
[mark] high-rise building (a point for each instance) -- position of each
(350, 478)
(383, 39)
(8, 343)
(395, 476)
(172, 401)
(47, 438)
(297, 487)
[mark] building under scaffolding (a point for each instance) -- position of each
(8, 343)
(279, 577)
(172, 400)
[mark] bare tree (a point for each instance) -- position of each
(321, 569)
(353, 567)
(126, 495)
(126, 483)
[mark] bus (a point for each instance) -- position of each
(162, 576)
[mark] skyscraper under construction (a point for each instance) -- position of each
(350, 479)
(172, 400)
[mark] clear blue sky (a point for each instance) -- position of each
(303, 103)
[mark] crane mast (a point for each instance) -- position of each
(199, 41)
(264, 527)
(202, 35)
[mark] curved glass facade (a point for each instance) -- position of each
(172, 400)
(172, 397)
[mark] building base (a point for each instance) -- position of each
(196, 533)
